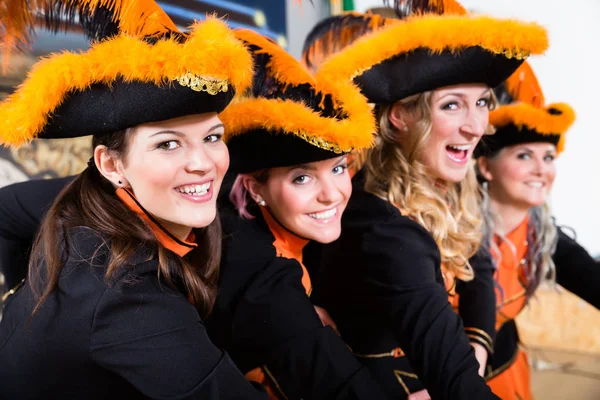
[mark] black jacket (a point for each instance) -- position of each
(134, 337)
(262, 315)
(22, 207)
(382, 284)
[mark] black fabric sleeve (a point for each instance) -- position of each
(22, 208)
(576, 269)
(402, 264)
(477, 301)
(275, 324)
(153, 337)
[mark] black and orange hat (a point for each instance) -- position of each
(523, 116)
(432, 44)
(288, 117)
(145, 71)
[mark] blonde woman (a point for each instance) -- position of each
(408, 231)
(517, 166)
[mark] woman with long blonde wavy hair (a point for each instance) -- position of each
(411, 225)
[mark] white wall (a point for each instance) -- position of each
(300, 19)
(569, 72)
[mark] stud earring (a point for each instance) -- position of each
(405, 128)
(120, 183)
(262, 203)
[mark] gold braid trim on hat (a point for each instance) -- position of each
(438, 33)
(211, 52)
(201, 84)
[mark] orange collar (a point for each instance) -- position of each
(518, 238)
(288, 244)
(166, 238)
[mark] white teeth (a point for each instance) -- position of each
(461, 147)
(536, 185)
(194, 190)
(324, 214)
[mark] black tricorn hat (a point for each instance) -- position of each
(523, 117)
(127, 80)
(288, 117)
(425, 51)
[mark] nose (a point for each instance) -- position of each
(329, 192)
(476, 122)
(540, 166)
(198, 160)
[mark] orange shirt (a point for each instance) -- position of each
(510, 274)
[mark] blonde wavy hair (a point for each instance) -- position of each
(450, 212)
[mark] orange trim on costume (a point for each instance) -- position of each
(258, 375)
(166, 238)
(288, 245)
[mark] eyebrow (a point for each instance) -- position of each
(310, 167)
(302, 166)
(462, 95)
(181, 134)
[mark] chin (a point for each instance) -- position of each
(326, 237)
(531, 203)
(454, 177)
(451, 173)
(201, 221)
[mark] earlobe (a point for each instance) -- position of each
(109, 166)
(254, 188)
(397, 117)
(482, 166)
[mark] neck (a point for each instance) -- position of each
(179, 231)
(509, 215)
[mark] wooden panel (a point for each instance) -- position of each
(557, 319)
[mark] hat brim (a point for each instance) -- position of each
(103, 109)
(261, 149)
(421, 70)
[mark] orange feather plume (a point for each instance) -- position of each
(17, 18)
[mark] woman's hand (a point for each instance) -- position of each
(326, 318)
(420, 395)
(481, 355)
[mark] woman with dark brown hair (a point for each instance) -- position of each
(125, 265)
